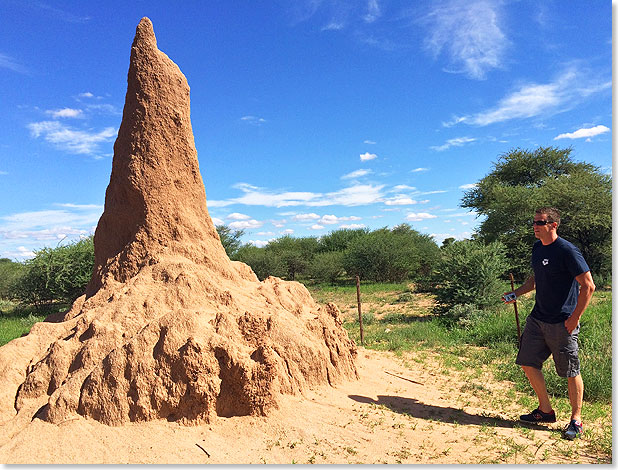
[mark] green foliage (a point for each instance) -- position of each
(521, 181)
(469, 272)
(326, 267)
(230, 239)
(10, 272)
(264, 263)
(57, 274)
(294, 253)
(339, 240)
(391, 255)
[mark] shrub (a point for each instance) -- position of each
(57, 274)
(326, 267)
(391, 255)
(10, 272)
(469, 272)
(230, 239)
(264, 263)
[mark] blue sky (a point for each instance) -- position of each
(308, 115)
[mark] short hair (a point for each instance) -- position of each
(553, 214)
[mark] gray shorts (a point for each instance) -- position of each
(541, 339)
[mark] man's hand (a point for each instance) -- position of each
(509, 297)
(571, 323)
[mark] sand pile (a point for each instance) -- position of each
(169, 327)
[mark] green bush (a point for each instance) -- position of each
(391, 255)
(57, 274)
(326, 267)
(10, 272)
(264, 263)
(294, 253)
(230, 239)
(469, 272)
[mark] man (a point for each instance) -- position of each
(564, 287)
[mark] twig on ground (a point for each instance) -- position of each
(404, 378)
(205, 451)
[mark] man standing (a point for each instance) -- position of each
(564, 287)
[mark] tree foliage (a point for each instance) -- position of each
(470, 272)
(230, 239)
(10, 273)
(57, 274)
(390, 255)
(523, 180)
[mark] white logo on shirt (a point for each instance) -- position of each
(545, 262)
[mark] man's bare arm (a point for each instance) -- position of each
(587, 287)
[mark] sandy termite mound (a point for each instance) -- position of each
(169, 327)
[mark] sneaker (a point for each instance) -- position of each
(537, 416)
(573, 430)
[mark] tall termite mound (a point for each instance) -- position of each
(169, 327)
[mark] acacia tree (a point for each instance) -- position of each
(230, 239)
(523, 180)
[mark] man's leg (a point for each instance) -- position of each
(537, 380)
(576, 396)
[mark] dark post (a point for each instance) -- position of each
(360, 314)
(516, 314)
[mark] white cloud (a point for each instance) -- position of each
(287, 231)
(418, 216)
(369, 142)
(584, 133)
(316, 227)
(65, 113)
(217, 221)
(400, 201)
(419, 170)
(265, 234)
(7, 62)
(357, 174)
(71, 140)
(20, 253)
(367, 156)
(457, 142)
(373, 11)
(47, 227)
(333, 219)
(352, 226)
(253, 120)
(237, 216)
(531, 100)
(404, 187)
(351, 196)
(305, 217)
(440, 237)
(468, 186)
(469, 34)
(260, 243)
(245, 224)
(86, 94)
(334, 26)
(279, 223)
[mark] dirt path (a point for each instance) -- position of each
(400, 411)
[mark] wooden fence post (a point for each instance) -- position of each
(360, 314)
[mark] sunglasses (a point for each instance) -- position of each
(541, 222)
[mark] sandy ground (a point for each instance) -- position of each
(400, 411)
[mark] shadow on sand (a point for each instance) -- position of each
(413, 407)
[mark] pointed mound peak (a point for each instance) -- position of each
(155, 202)
(144, 34)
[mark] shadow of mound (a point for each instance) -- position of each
(417, 409)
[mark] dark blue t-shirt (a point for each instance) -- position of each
(555, 267)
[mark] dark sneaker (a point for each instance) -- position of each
(573, 430)
(537, 416)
